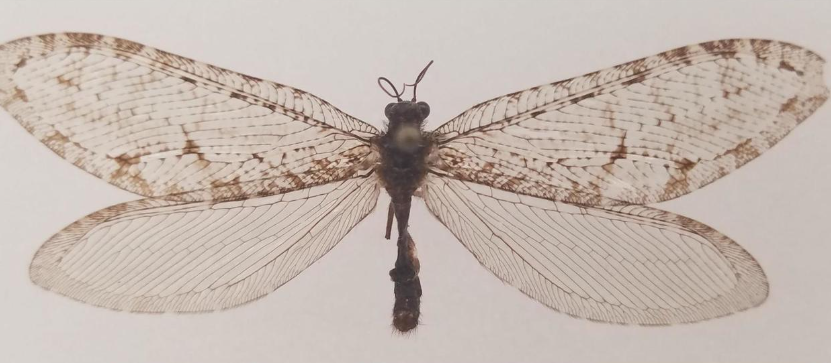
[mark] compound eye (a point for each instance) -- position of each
(424, 109)
(388, 110)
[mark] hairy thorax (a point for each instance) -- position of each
(403, 163)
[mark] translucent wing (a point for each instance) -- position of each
(641, 132)
(161, 125)
(621, 264)
(156, 255)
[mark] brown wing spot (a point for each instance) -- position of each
(295, 181)
(578, 194)
(550, 163)
(47, 39)
(583, 97)
(230, 190)
(637, 79)
(487, 167)
(638, 66)
(128, 45)
(173, 190)
(727, 44)
(188, 79)
(21, 63)
(710, 47)
(237, 96)
(451, 162)
(322, 163)
(679, 52)
(592, 75)
(250, 78)
(814, 102)
(84, 38)
(219, 183)
(685, 165)
(743, 152)
(789, 105)
(536, 113)
(681, 183)
(760, 43)
(65, 82)
(19, 95)
(190, 146)
(132, 182)
(621, 150)
(512, 182)
(125, 160)
(788, 67)
(57, 141)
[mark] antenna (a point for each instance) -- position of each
(418, 79)
(395, 94)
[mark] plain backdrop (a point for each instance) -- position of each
(777, 207)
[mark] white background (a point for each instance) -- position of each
(777, 207)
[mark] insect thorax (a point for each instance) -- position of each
(404, 148)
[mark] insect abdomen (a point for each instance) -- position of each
(406, 311)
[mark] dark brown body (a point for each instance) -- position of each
(404, 148)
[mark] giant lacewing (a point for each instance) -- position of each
(247, 182)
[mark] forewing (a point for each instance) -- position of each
(641, 132)
(620, 264)
(156, 255)
(158, 124)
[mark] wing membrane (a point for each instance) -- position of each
(621, 264)
(162, 125)
(641, 132)
(156, 255)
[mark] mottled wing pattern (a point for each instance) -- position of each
(156, 255)
(641, 132)
(622, 264)
(162, 125)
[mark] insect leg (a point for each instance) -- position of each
(389, 221)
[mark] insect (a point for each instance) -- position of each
(248, 182)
